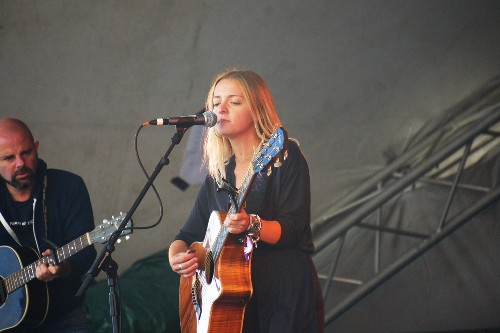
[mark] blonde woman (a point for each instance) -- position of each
(285, 292)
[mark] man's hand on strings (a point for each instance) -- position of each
(50, 272)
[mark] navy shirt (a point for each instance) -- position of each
(69, 216)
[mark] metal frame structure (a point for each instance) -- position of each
(426, 162)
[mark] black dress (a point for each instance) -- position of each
(286, 292)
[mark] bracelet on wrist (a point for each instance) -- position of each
(254, 227)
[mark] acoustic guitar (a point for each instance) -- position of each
(24, 300)
(214, 300)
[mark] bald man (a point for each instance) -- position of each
(41, 208)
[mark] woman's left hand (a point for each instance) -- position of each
(238, 222)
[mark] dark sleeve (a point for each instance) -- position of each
(75, 218)
(195, 227)
(292, 189)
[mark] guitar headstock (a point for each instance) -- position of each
(269, 150)
(103, 231)
(267, 153)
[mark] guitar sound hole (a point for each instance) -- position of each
(3, 292)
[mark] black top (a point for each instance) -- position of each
(285, 285)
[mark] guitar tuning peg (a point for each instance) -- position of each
(118, 240)
(127, 237)
(269, 171)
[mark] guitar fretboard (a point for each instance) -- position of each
(28, 273)
(224, 231)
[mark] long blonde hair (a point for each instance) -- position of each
(217, 149)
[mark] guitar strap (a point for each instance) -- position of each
(45, 205)
(44, 208)
(9, 229)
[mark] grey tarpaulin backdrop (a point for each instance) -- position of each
(350, 79)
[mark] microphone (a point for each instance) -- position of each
(207, 119)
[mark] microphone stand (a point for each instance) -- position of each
(104, 261)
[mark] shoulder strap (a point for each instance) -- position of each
(9, 229)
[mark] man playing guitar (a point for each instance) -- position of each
(41, 209)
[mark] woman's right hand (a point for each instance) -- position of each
(182, 260)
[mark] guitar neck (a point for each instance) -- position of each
(224, 231)
(28, 273)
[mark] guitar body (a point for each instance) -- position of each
(222, 296)
(24, 300)
(26, 307)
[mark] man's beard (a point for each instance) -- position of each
(24, 183)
